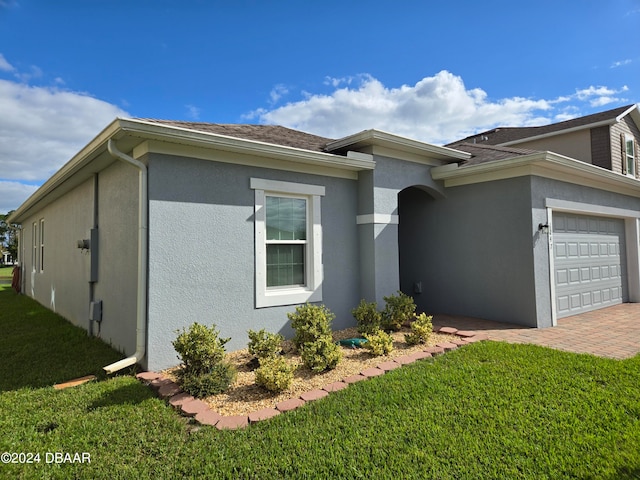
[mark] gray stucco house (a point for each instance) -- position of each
(157, 224)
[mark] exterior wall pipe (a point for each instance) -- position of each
(143, 219)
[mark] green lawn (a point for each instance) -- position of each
(6, 272)
(489, 410)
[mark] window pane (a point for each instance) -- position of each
(285, 265)
(286, 218)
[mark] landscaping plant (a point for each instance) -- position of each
(367, 316)
(379, 343)
(421, 330)
(263, 344)
(398, 310)
(313, 340)
(201, 350)
(275, 374)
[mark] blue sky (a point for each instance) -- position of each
(434, 71)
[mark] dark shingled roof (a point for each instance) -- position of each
(501, 135)
(273, 134)
(490, 153)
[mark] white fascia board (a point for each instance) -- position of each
(396, 142)
(542, 164)
(558, 132)
(173, 134)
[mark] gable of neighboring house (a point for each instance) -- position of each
(609, 139)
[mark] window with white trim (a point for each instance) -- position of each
(42, 244)
(34, 242)
(288, 242)
(630, 155)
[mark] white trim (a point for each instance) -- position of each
(632, 240)
(312, 290)
(377, 218)
(542, 164)
(590, 209)
(286, 187)
(552, 266)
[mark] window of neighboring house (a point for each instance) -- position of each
(42, 244)
(630, 155)
(288, 242)
(34, 252)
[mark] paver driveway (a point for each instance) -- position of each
(612, 332)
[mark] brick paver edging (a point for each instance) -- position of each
(200, 411)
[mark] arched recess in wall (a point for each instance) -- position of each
(415, 229)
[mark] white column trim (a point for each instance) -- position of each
(378, 218)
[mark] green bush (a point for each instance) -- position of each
(421, 330)
(379, 343)
(321, 354)
(217, 380)
(275, 374)
(398, 310)
(200, 348)
(368, 317)
(202, 353)
(263, 344)
(310, 322)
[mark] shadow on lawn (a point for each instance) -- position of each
(126, 395)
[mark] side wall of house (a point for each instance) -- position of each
(117, 255)
(61, 282)
(202, 252)
(64, 282)
(574, 144)
(472, 252)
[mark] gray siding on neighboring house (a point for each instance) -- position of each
(629, 127)
(601, 147)
(573, 144)
(201, 251)
(472, 252)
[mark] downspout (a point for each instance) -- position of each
(143, 218)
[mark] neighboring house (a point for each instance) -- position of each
(6, 258)
(263, 218)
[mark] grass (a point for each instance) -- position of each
(6, 272)
(489, 410)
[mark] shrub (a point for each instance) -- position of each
(263, 344)
(310, 322)
(200, 348)
(379, 343)
(399, 309)
(275, 374)
(368, 317)
(217, 380)
(321, 354)
(202, 353)
(421, 330)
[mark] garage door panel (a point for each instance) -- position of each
(589, 262)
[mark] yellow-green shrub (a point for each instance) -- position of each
(275, 374)
(421, 330)
(379, 343)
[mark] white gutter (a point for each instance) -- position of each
(143, 219)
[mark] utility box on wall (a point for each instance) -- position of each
(95, 311)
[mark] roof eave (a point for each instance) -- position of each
(375, 137)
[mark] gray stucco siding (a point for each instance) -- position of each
(202, 252)
(63, 284)
(472, 252)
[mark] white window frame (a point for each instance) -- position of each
(311, 291)
(631, 167)
(34, 250)
(41, 245)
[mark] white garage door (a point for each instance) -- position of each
(589, 263)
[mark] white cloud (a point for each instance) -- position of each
(193, 112)
(13, 194)
(41, 128)
(277, 93)
(621, 63)
(5, 66)
(437, 109)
